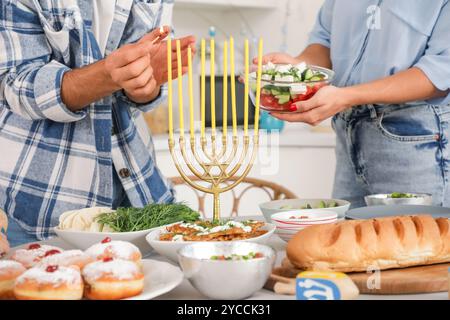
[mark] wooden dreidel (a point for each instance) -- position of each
(316, 285)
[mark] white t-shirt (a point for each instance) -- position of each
(102, 21)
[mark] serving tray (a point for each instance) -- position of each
(421, 279)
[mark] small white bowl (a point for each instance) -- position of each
(84, 239)
(169, 249)
(286, 227)
(272, 207)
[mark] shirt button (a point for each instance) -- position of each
(124, 173)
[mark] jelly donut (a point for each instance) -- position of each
(49, 283)
(110, 279)
(66, 259)
(115, 249)
(33, 254)
(9, 271)
(4, 245)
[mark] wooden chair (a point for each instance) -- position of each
(272, 190)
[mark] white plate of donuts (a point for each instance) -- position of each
(109, 270)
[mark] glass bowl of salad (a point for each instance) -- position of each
(399, 198)
(284, 84)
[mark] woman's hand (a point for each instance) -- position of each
(277, 57)
(324, 104)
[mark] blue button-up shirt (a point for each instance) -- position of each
(372, 39)
(53, 159)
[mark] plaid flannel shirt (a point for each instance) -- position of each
(53, 159)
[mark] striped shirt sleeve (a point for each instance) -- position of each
(30, 81)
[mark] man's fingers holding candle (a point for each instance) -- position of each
(126, 55)
(140, 81)
(156, 35)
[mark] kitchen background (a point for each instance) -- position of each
(301, 158)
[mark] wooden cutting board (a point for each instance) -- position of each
(422, 279)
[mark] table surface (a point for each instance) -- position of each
(185, 291)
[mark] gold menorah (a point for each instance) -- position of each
(210, 163)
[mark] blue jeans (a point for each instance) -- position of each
(383, 149)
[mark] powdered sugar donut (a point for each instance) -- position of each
(67, 258)
(9, 271)
(114, 249)
(50, 283)
(33, 254)
(110, 279)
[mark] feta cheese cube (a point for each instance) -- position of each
(284, 78)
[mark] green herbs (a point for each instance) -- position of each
(397, 195)
(234, 257)
(151, 216)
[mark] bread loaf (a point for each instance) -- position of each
(384, 243)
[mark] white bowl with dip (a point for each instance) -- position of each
(169, 249)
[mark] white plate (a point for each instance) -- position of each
(84, 239)
(169, 249)
(160, 278)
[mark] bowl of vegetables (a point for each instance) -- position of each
(221, 270)
(334, 205)
(284, 84)
(398, 198)
(85, 227)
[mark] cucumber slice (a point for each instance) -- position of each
(275, 92)
(315, 78)
(282, 99)
(307, 74)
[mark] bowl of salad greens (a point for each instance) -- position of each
(284, 84)
(333, 205)
(85, 227)
(395, 198)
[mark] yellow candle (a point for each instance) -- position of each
(258, 85)
(225, 88)
(180, 88)
(233, 87)
(202, 89)
(246, 88)
(191, 93)
(213, 88)
(169, 81)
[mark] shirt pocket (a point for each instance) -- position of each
(158, 11)
(417, 15)
(57, 25)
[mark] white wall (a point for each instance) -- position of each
(242, 23)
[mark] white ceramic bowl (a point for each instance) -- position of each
(287, 226)
(218, 279)
(84, 239)
(169, 249)
(272, 207)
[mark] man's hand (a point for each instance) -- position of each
(324, 104)
(130, 68)
(158, 52)
(139, 69)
